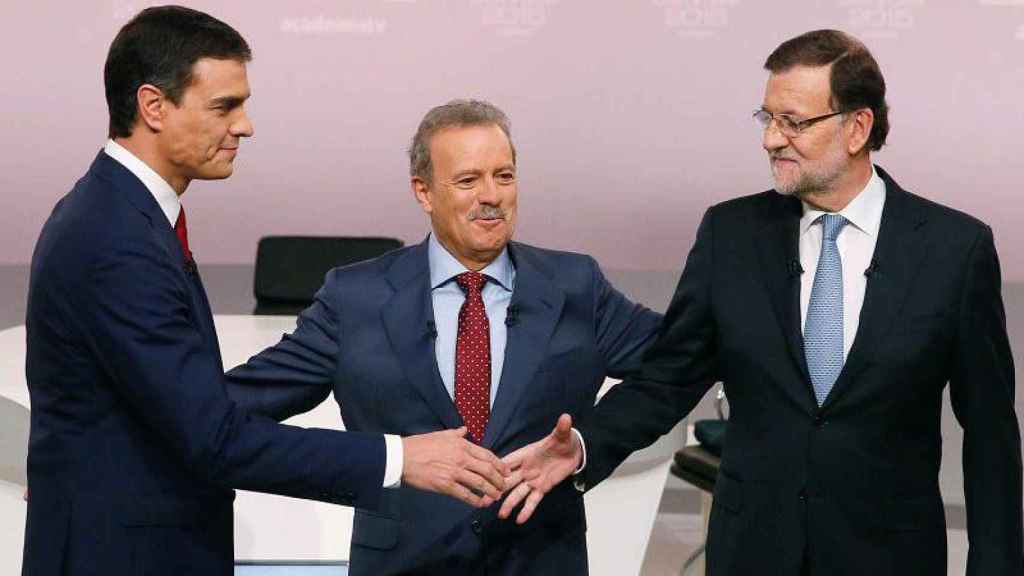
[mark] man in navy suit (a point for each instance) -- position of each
(835, 309)
(134, 444)
(464, 328)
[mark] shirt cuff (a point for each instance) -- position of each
(583, 445)
(393, 461)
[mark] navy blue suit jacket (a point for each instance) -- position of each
(368, 338)
(850, 488)
(134, 444)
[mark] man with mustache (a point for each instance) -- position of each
(134, 445)
(835, 309)
(466, 328)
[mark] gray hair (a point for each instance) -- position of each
(457, 113)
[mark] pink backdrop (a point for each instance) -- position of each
(630, 116)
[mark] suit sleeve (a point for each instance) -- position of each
(982, 394)
(140, 323)
(295, 375)
(624, 329)
(677, 371)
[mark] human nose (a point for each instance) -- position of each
(772, 138)
(487, 193)
(242, 126)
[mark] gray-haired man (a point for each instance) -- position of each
(465, 328)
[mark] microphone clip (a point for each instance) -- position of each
(872, 269)
(512, 316)
(795, 269)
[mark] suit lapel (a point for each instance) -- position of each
(538, 305)
(777, 244)
(406, 318)
(135, 192)
(898, 255)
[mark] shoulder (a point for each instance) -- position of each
(551, 260)
(92, 220)
(362, 275)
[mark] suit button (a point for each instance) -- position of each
(803, 495)
(819, 422)
(476, 526)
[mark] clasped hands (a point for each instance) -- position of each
(447, 463)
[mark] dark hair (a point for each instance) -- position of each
(159, 46)
(855, 79)
(454, 113)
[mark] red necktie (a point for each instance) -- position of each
(181, 229)
(473, 357)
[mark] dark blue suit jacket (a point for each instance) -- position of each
(850, 488)
(134, 444)
(368, 338)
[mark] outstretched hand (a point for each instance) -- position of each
(447, 463)
(537, 468)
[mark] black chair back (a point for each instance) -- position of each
(290, 269)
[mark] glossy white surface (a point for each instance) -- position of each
(620, 511)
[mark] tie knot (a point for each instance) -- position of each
(831, 225)
(471, 282)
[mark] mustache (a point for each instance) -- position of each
(487, 212)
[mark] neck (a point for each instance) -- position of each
(144, 148)
(844, 189)
(473, 263)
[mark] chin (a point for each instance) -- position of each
(218, 174)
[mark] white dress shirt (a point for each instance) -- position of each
(162, 192)
(856, 243)
(169, 203)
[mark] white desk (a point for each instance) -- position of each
(620, 511)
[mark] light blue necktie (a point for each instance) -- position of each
(823, 329)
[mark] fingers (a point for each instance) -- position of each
(460, 492)
(477, 483)
(513, 499)
(487, 456)
(531, 504)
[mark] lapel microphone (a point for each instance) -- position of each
(872, 269)
(190, 268)
(431, 329)
(795, 269)
(512, 316)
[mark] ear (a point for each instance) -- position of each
(151, 106)
(421, 190)
(858, 129)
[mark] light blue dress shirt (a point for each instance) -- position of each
(447, 299)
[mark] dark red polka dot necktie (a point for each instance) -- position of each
(473, 357)
(181, 229)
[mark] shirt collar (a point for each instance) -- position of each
(864, 211)
(157, 186)
(444, 266)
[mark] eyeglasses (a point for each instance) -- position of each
(789, 126)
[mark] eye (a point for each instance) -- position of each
(788, 122)
(466, 181)
(506, 177)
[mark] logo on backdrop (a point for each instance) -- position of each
(696, 18)
(880, 18)
(514, 17)
(322, 25)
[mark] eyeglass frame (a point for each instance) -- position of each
(797, 128)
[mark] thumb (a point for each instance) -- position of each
(563, 429)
